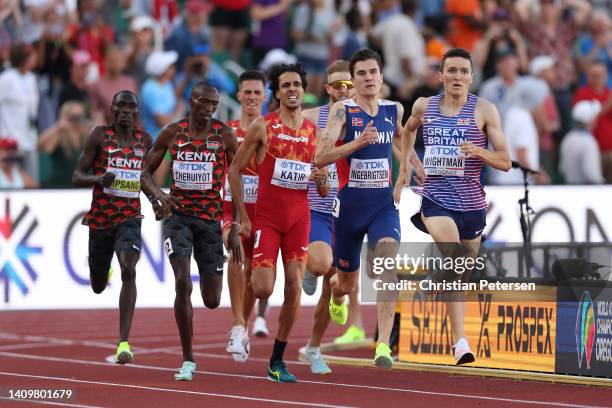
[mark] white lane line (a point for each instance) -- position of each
(140, 387)
(53, 403)
(367, 387)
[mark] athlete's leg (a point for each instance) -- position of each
(208, 253)
(101, 249)
(386, 299)
(321, 314)
(265, 252)
(291, 303)
(236, 282)
(183, 310)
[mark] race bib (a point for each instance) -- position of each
(249, 185)
(291, 174)
(126, 183)
(190, 175)
(444, 161)
(372, 173)
(332, 175)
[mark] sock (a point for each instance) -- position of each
(278, 351)
(310, 349)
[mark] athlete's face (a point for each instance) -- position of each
(251, 95)
(368, 78)
(340, 86)
(290, 90)
(457, 76)
(203, 103)
(125, 109)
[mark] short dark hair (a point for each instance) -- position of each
(126, 91)
(203, 85)
(364, 54)
(277, 70)
(253, 75)
(19, 54)
(457, 53)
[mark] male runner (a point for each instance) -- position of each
(284, 144)
(453, 204)
(199, 148)
(115, 153)
(251, 95)
(363, 129)
(320, 256)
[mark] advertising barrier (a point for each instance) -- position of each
(504, 330)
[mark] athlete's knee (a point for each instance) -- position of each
(183, 285)
(98, 287)
(293, 287)
(99, 280)
(261, 289)
(212, 300)
(319, 266)
(128, 274)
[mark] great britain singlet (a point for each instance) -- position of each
(198, 170)
(316, 202)
(120, 201)
(452, 180)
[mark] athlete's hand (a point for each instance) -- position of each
(369, 135)
(234, 244)
(319, 176)
(163, 204)
(107, 179)
(245, 227)
(469, 149)
(402, 180)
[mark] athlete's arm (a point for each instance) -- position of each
(499, 158)
(327, 152)
(312, 114)
(162, 203)
(230, 145)
(80, 178)
(254, 138)
(408, 138)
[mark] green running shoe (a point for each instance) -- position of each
(351, 335)
(124, 355)
(278, 372)
(383, 356)
(338, 313)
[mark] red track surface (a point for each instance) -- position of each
(67, 349)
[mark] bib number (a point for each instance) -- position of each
(249, 186)
(336, 208)
(372, 173)
(291, 174)
(444, 161)
(126, 183)
(192, 175)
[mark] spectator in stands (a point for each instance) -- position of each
(63, 142)
(580, 161)
(200, 67)
(596, 45)
(270, 26)
(114, 80)
(140, 47)
(11, 174)
(159, 104)
(500, 35)
(33, 19)
(552, 32)
(466, 24)
(546, 115)
(77, 88)
(166, 13)
(10, 22)
(597, 88)
(403, 51)
(312, 30)
(191, 32)
(230, 24)
(91, 34)
(19, 105)
(356, 37)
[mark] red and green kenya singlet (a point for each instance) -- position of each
(121, 201)
(198, 171)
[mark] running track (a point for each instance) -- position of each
(67, 349)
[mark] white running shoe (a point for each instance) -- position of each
(463, 354)
(260, 329)
(238, 344)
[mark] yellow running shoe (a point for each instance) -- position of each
(124, 355)
(351, 335)
(383, 356)
(338, 313)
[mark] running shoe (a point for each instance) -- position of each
(462, 352)
(260, 329)
(186, 371)
(317, 364)
(124, 354)
(278, 372)
(238, 344)
(351, 335)
(383, 357)
(338, 313)
(309, 283)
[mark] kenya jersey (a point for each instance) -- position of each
(198, 170)
(120, 201)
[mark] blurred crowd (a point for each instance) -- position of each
(544, 63)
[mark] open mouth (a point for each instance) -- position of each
(292, 98)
